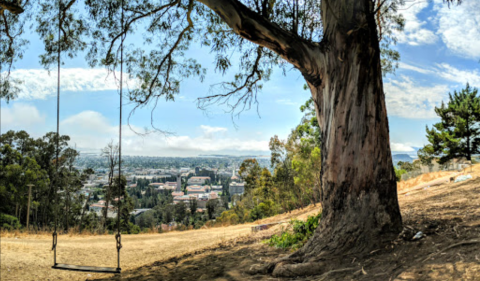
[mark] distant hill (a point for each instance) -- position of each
(402, 157)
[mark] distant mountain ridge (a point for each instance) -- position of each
(402, 157)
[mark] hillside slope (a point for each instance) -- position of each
(447, 214)
(30, 258)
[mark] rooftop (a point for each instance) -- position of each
(157, 184)
(195, 188)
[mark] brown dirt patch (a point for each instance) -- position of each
(425, 179)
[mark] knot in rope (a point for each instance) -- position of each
(54, 242)
(118, 237)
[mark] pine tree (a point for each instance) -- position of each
(457, 134)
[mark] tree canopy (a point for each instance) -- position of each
(25, 160)
(457, 134)
(158, 59)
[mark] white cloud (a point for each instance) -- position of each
(458, 26)
(448, 72)
(454, 74)
(408, 99)
(286, 102)
(411, 99)
(38, 84)
(414, 32)
(21, 116)
(402, 65)
(88, 120)
(400, 147)
(209, 132)
(90, 130)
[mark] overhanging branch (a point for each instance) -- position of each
(12, 7)
(259, 30)
(245, 93)
(135, 19)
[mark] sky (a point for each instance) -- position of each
(440, 53)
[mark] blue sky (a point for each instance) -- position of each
(440, 52)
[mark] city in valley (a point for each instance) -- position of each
(205, 185)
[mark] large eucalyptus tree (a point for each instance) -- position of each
(338, 46)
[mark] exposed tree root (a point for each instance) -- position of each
(299, 269)
(327, 274)
(452, 246)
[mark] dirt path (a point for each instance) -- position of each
(435, 182)
(448, 215)
(425, 179)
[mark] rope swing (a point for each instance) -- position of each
(118, 237)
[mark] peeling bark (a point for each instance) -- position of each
(359, 197)
(359, 202)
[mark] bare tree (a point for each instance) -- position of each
(110, 153)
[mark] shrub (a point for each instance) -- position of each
(399, 173)
(133, 228)
(302, 231)
(181, 227)
(263, 210)
(9, 222)
(228, 217)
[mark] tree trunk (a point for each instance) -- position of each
(67, 209)
(359, 196)
(469, 151)
(105, 214)
(83, 212)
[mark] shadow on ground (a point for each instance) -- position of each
(448, 215)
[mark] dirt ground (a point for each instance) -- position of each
(426, 179)
(29, 257)
(447, 214)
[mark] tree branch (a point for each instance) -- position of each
(245, 99)
(62, 19)
(259, 30)
(5, 22)
(142, 15)
(13, 8)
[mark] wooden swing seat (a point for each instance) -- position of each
(83, 268)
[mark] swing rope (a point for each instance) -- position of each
(54, 235)
(118, 237)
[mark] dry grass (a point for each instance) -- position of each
(48, 232)
(32, 233)
(300, 214)
(27, 256)
(448, 214)
(436, 178)
(423, 179)
(30, 258)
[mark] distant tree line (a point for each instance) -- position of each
(25, 160)
(295, 181)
